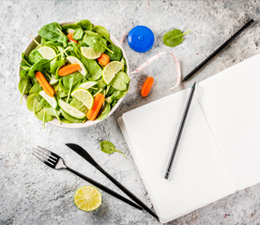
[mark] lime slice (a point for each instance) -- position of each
(88, 84)
(51, 100)
(87, 198)
(90, 53)
(72, 111)
(84, 96)
(110, 70)
(73, 60)
(47, 52)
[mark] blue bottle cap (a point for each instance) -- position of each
(140, 39)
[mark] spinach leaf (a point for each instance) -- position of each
(85, 24)
(52, 32)
(24, 73)
(65, 27)
(63, 120)
(105, 111)
(119, 94)
(117, 52)
(109, 148)
(55, 65)
(102, 31)
(120, 81)
(24, 59)
(34, 56)
(25, 66)
(43, 40)
(24, 87)
(97, 43)
(43, 65)
(34, 103)
(44, 116)
(95, 71)
(71, 81)
(173, 38)
(110, 90)
(101, 84)
(36, 88)
(60, 91)
(78, 34)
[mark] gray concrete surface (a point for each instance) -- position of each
(31, 193)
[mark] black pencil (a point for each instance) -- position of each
(219, 49)
(169, 167)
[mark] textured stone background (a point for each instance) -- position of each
(31, 193)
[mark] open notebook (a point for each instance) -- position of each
(219, 152)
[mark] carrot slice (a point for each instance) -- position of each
(44, 84)
(103, 59)
(69, 69)
(70, 37)
(98, 102)
(147, 86)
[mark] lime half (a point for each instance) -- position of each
(110, 70)
(84, 96)
(47, 52)
(72, 111)
(90, 53)
(87, 198)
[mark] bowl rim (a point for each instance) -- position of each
(29, 46)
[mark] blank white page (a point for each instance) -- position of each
(198, 176)
(231, 103)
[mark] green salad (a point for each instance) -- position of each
(75, 73)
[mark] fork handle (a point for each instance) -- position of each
(127, 192)
(104, 188)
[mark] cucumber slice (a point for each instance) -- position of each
(88, 84)
(72, 111)
(51, 100)
(70, 118)
(82, 69)
(70, 31)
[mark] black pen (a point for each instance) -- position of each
(178, 137)
(219, 49)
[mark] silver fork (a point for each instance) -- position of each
(56, 162)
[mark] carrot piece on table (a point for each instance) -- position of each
(98, 102)
(44, 84)
(69, 69)
(103, 59)
(147, 86)
(70, 37)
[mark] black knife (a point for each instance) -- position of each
(83, 153)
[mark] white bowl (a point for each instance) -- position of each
(31, 45)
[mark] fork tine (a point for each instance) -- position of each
(45, 155)
(47, 152)
(48, 163)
